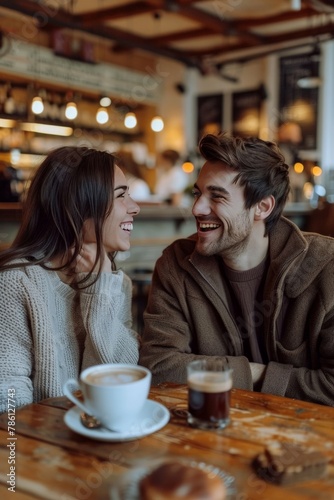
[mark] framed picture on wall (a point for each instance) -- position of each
(298, 95)
(209, 114)
(246, 108)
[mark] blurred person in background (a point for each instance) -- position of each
(171, 179)
(138, 188)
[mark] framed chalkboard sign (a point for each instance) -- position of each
(299, 94)
(209, 114)
(246, 108)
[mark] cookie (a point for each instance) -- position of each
(287, 463)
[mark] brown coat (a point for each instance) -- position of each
(187, 316)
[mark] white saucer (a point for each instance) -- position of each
(153, 417)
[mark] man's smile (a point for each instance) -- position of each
(207, 226)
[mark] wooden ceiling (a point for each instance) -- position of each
(201, 34)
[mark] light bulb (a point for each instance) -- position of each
(188, 167)
(157, 124)
(130, 120)
(37, 106)
(9, 105)
(71, 111)
(296, 4)
(15, 155)
(105, 101)
(102, 116)
(309, 82)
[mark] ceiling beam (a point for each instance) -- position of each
(175, 37)
(112, 13)
(272, 40)
(290, 15)
(215, 24)
(237, 34)
(62, 19)
(184, 8)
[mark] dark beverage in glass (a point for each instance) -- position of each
(209, 395)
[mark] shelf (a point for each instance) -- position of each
(14, 122)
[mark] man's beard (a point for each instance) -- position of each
(233, 240)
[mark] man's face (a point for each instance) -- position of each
(224, 225)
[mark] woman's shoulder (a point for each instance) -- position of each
(17, 266)
(14, 280)
(20, 268)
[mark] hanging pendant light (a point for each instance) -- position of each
(9, 104)
(105, 102)
(311, 78)
(157, 124)
(102, 115)
(37, 105)
(130, 120)
(71, 111)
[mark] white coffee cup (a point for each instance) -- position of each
(113, 393)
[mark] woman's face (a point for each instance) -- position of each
(119, 223)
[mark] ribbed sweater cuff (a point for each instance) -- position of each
(276, 378)
(108, 283)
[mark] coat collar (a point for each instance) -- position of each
(286, 244)
(295, 259)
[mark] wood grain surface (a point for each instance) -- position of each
(52, 462)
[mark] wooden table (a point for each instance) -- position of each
(52, 462)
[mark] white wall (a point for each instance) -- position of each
(171, 106)
(326, 125)
(179, 110)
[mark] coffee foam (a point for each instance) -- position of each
(209, 382)
(114, 377)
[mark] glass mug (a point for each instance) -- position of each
(209, 393)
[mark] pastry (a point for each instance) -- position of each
(287, 463)
(175, 481)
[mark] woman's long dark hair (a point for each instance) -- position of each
(72, 184)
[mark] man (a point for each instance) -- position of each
(249, 286)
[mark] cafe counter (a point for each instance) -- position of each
(156, 226)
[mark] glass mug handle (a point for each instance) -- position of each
(68, 393)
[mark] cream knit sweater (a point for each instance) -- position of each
(49, 332)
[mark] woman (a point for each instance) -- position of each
(63, 306)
